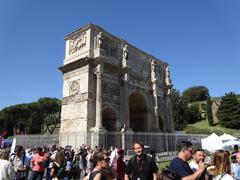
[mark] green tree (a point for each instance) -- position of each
(229, 111)
(196, 93)
(209, 112)
(31, 117)
(14, 117)
(50, 111)
(179, 110)
(194, 114)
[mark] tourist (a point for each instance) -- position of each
(141, 166)
(20, 163)
(76, 159)
(234, 153)
(58, 167)
(69, 166)
(83, 161)
(236, 167)
(100, 163)
(113, 155)
(198, 156)
(221, 168)
(38, 164)
(6, 168)
(51, 157)
(120, 165)
(89, 159)
(108, 171)
(181, 166)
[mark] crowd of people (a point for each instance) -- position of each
(193, 164)
(57, 163)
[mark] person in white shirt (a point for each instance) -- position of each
(113, 156)
(6, 168)
(198, 155)
(20, 163)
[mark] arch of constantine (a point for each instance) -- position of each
(111, 86)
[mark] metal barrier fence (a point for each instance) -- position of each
(159, 142)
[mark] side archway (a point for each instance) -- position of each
(109, 119)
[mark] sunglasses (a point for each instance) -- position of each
(190, 150)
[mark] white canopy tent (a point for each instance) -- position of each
(231, 143)
(212, 143)
(227, 137)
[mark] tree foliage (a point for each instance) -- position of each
(209, 112)
(179, 110)
(50, 111)
(229, 111)
(194, 114)
(196, 93)
(31, 117)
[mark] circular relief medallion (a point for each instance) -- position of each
(74, 87)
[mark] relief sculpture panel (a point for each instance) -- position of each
(110, 88)
(77, 43)
(74, 87)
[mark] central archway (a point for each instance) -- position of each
(137, 112)
(109, 119)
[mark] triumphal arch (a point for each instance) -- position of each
(110, 85)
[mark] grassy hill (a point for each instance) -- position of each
(202, 127)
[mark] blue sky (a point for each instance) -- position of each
(200, 39)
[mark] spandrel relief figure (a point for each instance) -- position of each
(153, 69)
(167, 77)
(125, 56)
(125, 52)
(100, 40)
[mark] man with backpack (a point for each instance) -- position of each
(141, 166)
(20, 163)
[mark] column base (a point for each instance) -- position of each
(124, 129)
(98, 129)
(157, 130)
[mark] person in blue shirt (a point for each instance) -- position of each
(236, 167)
(181, 166)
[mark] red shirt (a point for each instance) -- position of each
(37, 161)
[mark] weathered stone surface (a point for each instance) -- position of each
(107, 80)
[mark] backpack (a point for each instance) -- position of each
(83, 154)
(169, 174)
(61, 173)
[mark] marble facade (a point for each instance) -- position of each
(110, 85)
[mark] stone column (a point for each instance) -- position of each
(98, 133)
(126, 81)
(169, 85)
(126, 107)
(155, 99)
(126, 103)
(156, 109)
(99, 97)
